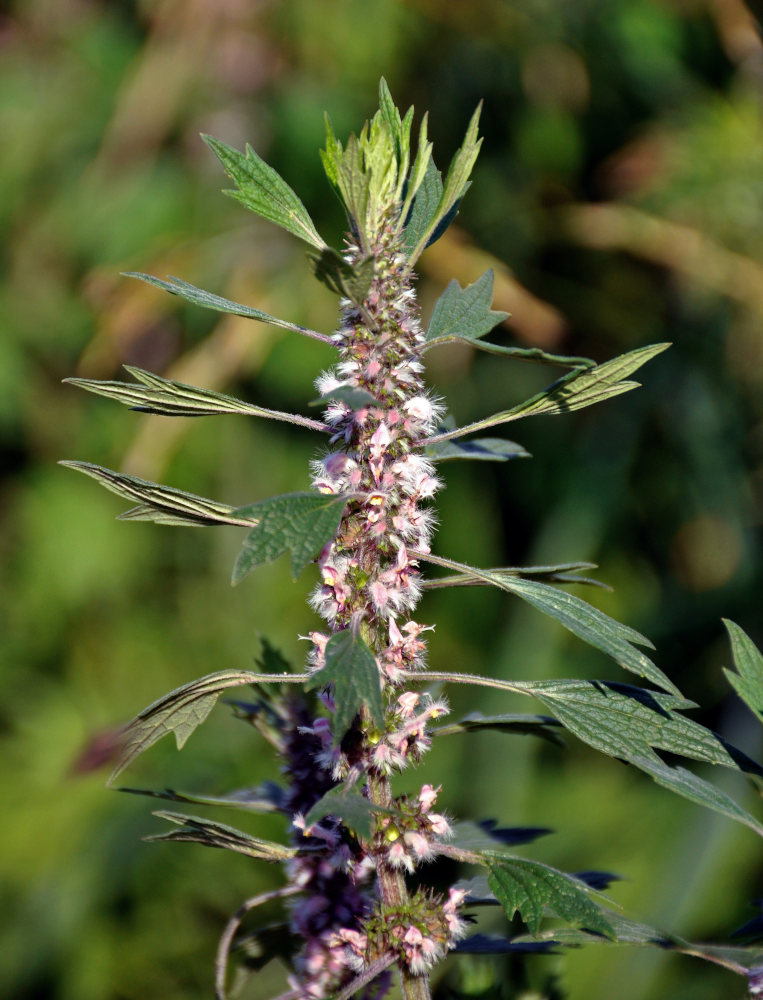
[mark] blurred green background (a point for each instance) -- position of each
(619, 198)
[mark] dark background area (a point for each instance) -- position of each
(619, 199)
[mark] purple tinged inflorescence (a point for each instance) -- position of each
(369, 579)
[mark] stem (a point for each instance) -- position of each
(394, 891)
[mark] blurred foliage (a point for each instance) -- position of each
(618, 198)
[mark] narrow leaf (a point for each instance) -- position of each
(262, 190)
(350, 280)
(418, 172)
(748, 682)
(193, 829)
(162, 504)
(176, 399)
(423, 207)
(257, 800)
(209, 301)
(178, 712)
(354, 396)
(487, 836)
(579, 617)
(691, 786)
(351, 667)
(519, 353)
(574, 391)
(559, 573)
(455, 185)
(482, 449)
(298, 522)
(465, 312)
(543, 726)
(528, 886)
(490, 944)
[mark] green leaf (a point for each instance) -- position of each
(691, 786)
(178, 712)
(300, 522)
(350, 807)
(262, 190)
(454, 187)
(423, 208)
(351, 281)
(256, 800)
(162, 504)
(748, 682)
(418, 173)
(559, 573)
(543, 726)
(482, 449)
(630, 723)
(176, 399)
(351, 667)
(465, 313)
(209, 301)
(519, 353)
(574, 391)
(195, 830)
(528, 886)
(579, 617)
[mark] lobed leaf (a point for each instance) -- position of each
(267, 798)
(748, 681)
(422, 210)
(301, 523)
(691, 786)
(262, 190)
(193, 829)
(527, 887)
(454, 187)
(351, 667)
(630, 723)
(208, 300)
(162, 504)
(577, 389)
(465, 313)
(176, 399)
(178, 712)
(579, 617)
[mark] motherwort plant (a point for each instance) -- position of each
(356, 904)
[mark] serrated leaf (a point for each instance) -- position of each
(691, 786)
(455, 185)
(543, 726)
(178, 712)
(176, 399)
(207, 300)
(301, 523)
(262, 190)
(351, 667)
(748, 682)
(577, 389)
(527, 887)
(465, 313)
(579, 617)
(194, 829)
(630, 723)
(482, 449)
(162, 504)
(354, 396)
(350, 807)
(423, 208)
(350, 280)
(257, 800)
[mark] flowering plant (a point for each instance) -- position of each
(355, 887)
